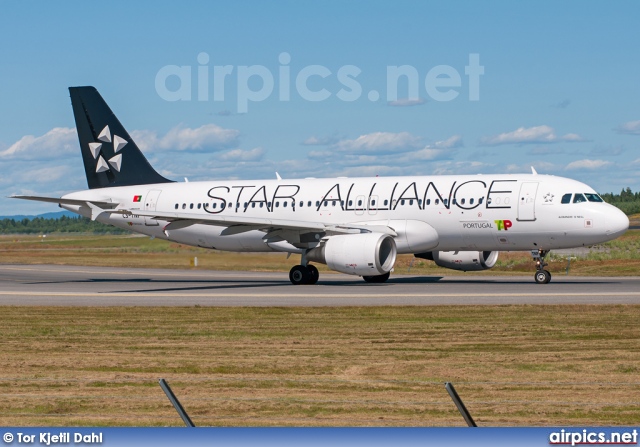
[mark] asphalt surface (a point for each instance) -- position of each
(50, 285)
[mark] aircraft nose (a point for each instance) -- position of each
(616, 222)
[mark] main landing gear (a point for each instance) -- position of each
(301, 274)
(542, 276)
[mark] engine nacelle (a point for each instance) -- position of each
(366, 254)
(467, 261)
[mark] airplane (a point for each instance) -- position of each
(355, 226)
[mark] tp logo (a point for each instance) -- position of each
(503, 224)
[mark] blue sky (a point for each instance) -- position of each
(560, 89)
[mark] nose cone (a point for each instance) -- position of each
(616, 222)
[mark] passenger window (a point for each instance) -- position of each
(176, 206)
(284, 204)
(350, 202)
(419, 202)
(214, 206)
(445, 202)
(373, 203)
(437, 202)
(386, 202)
(566, 198)
(462, 201)
(454, 201)
(253, 204)
(402, 202)
(333, 203)
(301, 204)
(317, 203)
(579, 198)
(326, 203)
(199, 204)
(359, 202)
(591, 197)
(342, 203)
(261, 204)
(309, 203)
(277, 204)
(410, 202)
(184, 206)
(470, 201)
(428, 201)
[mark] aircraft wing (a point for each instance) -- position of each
(241, 224)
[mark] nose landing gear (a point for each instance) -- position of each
(542, 276)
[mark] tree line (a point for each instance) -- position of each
(628, 201)
(64, 224)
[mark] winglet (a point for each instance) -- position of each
(278, 176)
(533, 171)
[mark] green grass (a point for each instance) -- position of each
(513, 365)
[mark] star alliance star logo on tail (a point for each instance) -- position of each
(96, 151)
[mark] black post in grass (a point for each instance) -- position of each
(461, 408)
(176, 403)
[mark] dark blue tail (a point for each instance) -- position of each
(110, 156)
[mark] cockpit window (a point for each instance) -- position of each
(566, 198)
(591, 197)
(579, 198)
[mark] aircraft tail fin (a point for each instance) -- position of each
(110, 156)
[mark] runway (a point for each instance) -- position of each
(52, 285)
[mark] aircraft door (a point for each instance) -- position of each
(150, 203)
(373, 205)
(360, 205)
(527, 201)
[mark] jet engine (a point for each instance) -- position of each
(467, 261)
(365, 254)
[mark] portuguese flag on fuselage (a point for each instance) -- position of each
(137, 198)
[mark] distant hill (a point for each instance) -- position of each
(56, 215)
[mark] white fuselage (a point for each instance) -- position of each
(479, 212)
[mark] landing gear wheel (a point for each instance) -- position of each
(299, 275)
(314, 274)
(377, 278)
(542, 276)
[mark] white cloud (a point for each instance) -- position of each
(460, 167)
(242, 155)
(587, 164)
(208, 137)
(320, 141)
(377, 142)
(542, 167)
(630, 128)
(562, 104)
(58, 142)
(530, 135)
(424, 155)
(450, 143)
(407, 102)
(315, 155)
